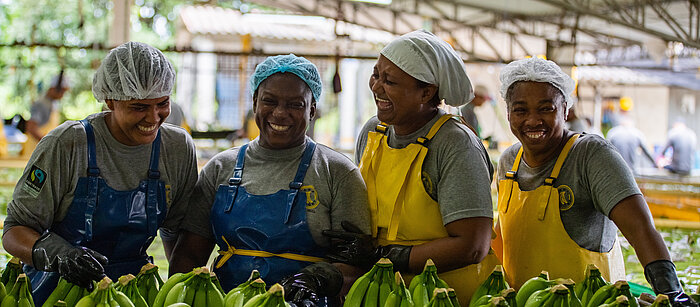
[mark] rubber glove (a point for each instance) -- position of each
(351, 246)
(76, 264)
(661, 275)
(312, 283)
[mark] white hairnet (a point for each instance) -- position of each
(538, 70)
(299, 66)
(133, 71)
(430, 59)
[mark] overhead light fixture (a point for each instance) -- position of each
(386, 2)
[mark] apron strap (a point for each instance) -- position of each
(227, 254)
(92, 180)
(508, 182)
(425, 140)
(299, 177)
(152, 188)
(235, 181)
(549, 181)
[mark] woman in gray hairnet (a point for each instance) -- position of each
(265, 204)
(562, 195)
(96, 191)
(427, 174)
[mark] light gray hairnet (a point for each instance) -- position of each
(430, 59)
(299, 66)
(133, 71)
(538, 70)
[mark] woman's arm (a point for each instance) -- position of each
(632, 217)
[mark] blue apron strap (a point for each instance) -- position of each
(299, 177)
(235, 181)
(152, 192)
(93, 177)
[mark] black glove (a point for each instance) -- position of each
(400, 255)
(76, 264)
(312, 283)
(661, 275)
(351, 246)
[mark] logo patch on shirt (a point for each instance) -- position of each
(311, 197)
(35, 181)
(168, 194)
(566, 197)
(427, 183)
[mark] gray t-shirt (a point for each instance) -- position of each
(457, 172)
(340, 192)
(41, 110)
(683, 141)
(627, 140)
(598, 178)
(62, 155)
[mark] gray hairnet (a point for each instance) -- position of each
(538, 70)
(299, 66)
(133, 71)
(430, 59)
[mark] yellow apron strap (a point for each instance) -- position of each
(549, 181)
(226, 255)
(374, 139)
(510, 177)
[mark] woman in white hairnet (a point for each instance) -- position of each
(563, 195)
(96, 191)
(265, 204)
(427, 174)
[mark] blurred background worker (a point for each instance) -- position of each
(563, 195)
(45, 114)
(683, 141)
(177, 117)
(628, 140)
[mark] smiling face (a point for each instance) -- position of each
(400, 100)
(283, 105)
(136, 122)
(536, 112)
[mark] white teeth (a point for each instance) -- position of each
(279, 128)
(535, 135)
(381, 100)
(146, 128)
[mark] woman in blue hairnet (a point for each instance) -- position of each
(265, 204)
(96, 191)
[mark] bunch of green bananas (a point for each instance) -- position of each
(400, 296)
(272, 298)
(12, 270)
(440, 298)
(127, 285)
(196, 290)
(590, 284)
(67, 292)
(661, 301)
(240, 295)
(536, 283)
(571, 285)
(373, 288)
(608, 293)
(620, 301)
(20, 295)
(424, 284)
(493, 285)
(508, 295)
(453, 297)
(217, 284)
(496, 301)
(105, 295)
(148, 282)
(168, 285)
(555, 296)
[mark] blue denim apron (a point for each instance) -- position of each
(268, 233)
(118, 224)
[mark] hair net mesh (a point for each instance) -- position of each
(430, 59)
(133, 71)
(538, 70)
(299, 66)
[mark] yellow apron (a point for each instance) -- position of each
(30, 144)
(403, 212)
(534, 238)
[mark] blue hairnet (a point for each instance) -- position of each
(133, 71)
(299, 66)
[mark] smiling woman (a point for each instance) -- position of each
(134, 122)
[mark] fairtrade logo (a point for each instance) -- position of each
(38, 175)
(566, 197)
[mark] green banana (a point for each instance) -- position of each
(621, 301)
(400, 296)
(569, 284)
(179, 305)
(200, 296)
(592, 281)
(11, 272)
(661, 301)
(127, 285)
(536, 283)
(60, 303)
(386, 286)
(510, 294)
(19, 294)
(59, 293)
(493, 285)
(358, 289)
(440, 298)
(537, 298)
(243, 295)
(174, 280)
(496, 301)
(3, 291)
(453, 297)
(214, 297)
(148, 282)
(372, 296)
(272, 298)
(424, 284)
(105, 295)
(609, 293)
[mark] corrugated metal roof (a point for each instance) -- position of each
(205, 19)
